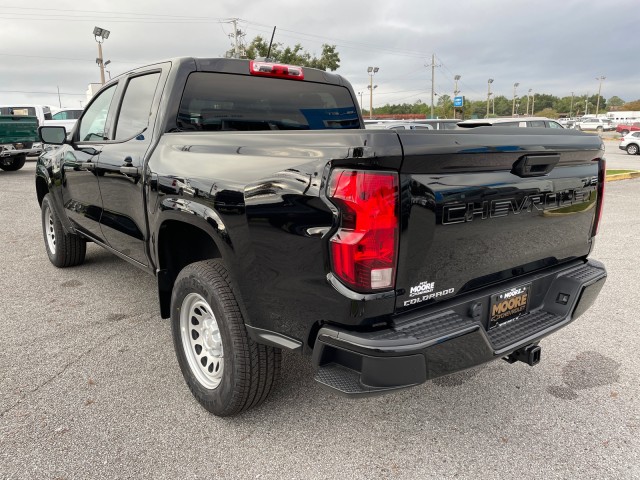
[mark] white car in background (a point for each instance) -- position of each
(631, 143)
(595, 125)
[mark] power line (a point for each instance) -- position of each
(42, 93)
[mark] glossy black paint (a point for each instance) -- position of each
(165, 198)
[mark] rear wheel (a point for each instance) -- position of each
(16, 163)
(224, 368)
(632, 149)
(599, 129)
(64, 249)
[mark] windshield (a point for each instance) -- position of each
(215, 101)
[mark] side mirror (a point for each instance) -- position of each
(53, 135)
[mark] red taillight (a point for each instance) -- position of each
(267, 69)
(602, 180)
(364, 250)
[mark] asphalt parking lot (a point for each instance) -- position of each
(90, 387)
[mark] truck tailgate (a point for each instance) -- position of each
(490, 205)
(18, 128)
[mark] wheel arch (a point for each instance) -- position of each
(180, 242)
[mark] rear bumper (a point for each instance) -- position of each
(419, 347)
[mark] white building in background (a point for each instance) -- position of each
(92, 89)
(622, 117)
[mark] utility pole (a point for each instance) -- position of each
(528, 98)
(533, 103)
(601, 78)
(513, 108)
(433, 80)
(236, 36)
(455, 93)
(371, 71)
(571, 107)
(59, 101)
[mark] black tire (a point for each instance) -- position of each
(577, 127)
(17, 162)
(226, 371)
(624, 132)
(632, 149)
(63, 249)
(599, 129)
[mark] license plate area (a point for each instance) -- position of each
(509, 304)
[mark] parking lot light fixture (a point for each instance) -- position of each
(371, 71)
(600, 78)
(489, 82)
(528, 97)
(513, 108)
(100, 35)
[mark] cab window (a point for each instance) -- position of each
(136, 106)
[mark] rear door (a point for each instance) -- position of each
(122, 163)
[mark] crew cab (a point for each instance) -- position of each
(273, 220)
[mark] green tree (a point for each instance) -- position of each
(615, 102)
(547, 112)
(631, 106)
(329, 59)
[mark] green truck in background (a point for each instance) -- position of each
(18, 133)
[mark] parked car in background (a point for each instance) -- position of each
(631, 143)
(539, 122)
(624, 129)
(595, 125)
(67, 114)
(397, 126)
(441, 123)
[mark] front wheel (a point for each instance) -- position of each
(16, 163)
(63, 249)
(226, 371)
(632, 149)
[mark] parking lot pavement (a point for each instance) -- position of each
(90, 387)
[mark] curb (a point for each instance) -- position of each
(622, 176)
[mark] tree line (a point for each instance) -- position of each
(543, 105)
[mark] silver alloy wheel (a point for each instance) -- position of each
(201, 340)
(632, 149)
(50, 231)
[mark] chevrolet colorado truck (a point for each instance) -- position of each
(272, 220)
(17, 135)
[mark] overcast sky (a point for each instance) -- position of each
(549, 46)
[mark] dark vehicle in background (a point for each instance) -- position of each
(17, 136)
(273, 220)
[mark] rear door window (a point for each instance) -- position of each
(225, 102)
(136, 106)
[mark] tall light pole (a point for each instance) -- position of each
(601, 78)
(455, 93)
(100, 34)
(513, 108)
(571, 107)
(489, 82)
(528, 98)
(360, 93)
(371, 71)
(533, 103)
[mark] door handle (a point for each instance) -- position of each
(535, 165)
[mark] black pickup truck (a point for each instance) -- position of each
(272, 220)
